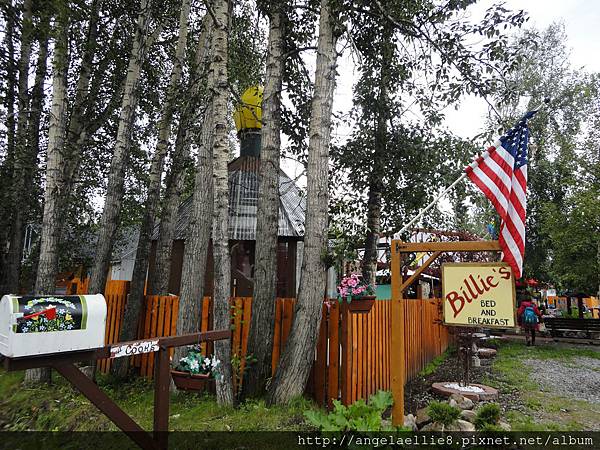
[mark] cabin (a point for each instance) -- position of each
(243, 203)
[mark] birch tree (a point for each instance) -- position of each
(220, 235)
(20, 154)
(116, 176)
(260, 339)
(9, 72)
(188, 131)
(136, 296)
(296, 359)
(199, 229)
(46, 275)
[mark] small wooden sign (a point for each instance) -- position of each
(478, 295)
(134, 348)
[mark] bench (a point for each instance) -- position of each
(558, 326)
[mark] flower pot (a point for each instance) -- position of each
(185, 381)
(361, 305)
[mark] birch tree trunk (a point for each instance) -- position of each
(198, 233)
(6, 169)
(296, 359)
(79, 126)
(140, 268)
(16, 239)
(64, 148)
(116, 176)
(186, 132)
(222, 263)
(260, 339)
(46, 274)
(369, 263)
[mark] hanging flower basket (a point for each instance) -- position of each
(359, 294)
(186, 381)
(196, 372)
(361, 305)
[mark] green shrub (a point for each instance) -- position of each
(443, 413)
(359, 416)
(488, 427)
(488, 414)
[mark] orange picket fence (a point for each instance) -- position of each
(353, 354)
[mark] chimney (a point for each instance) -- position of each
(247, 116)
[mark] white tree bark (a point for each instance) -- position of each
(222, 262)
(48, 262)
(296, 359)
(116, 176)
(136, 296)
(187, 132)
(260, 339)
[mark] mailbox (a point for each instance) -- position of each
(37, 325)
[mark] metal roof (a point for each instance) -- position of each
(243, 201)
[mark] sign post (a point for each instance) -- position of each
(399, 285)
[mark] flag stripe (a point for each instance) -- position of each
(501, 174)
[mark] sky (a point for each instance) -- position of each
(582, 25)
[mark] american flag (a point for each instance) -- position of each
(501, 174)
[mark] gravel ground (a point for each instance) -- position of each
(577, 378)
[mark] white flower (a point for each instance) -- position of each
(194, 365)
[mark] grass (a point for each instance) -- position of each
(60, 408)
(543, 410)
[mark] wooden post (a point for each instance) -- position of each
(105, 404)
(346, 338)
(397, 348)
(162, 381)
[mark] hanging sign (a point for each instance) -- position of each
(134, 348)
(478, 295)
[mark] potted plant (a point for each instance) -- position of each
(195, 372)
(359, 294)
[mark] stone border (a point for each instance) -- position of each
(489, 392)
(486, 353)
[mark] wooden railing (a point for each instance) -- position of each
(353, 354)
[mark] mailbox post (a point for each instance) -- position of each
(36, 332)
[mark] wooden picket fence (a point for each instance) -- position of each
(354, 350)
(353, 354)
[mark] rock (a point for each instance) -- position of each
(467, 403)
(411, 422)
(468, 415)
(504, 425)
(453, 403)
(423, 417)
(463, 425)
(433, 426)
(457, 397)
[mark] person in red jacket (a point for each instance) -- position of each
(529, 318)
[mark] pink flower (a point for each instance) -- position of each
(352, 282)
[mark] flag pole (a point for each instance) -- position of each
(448, 189)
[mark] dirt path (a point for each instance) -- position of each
(578, 378)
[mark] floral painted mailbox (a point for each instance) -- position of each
(36, 325)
